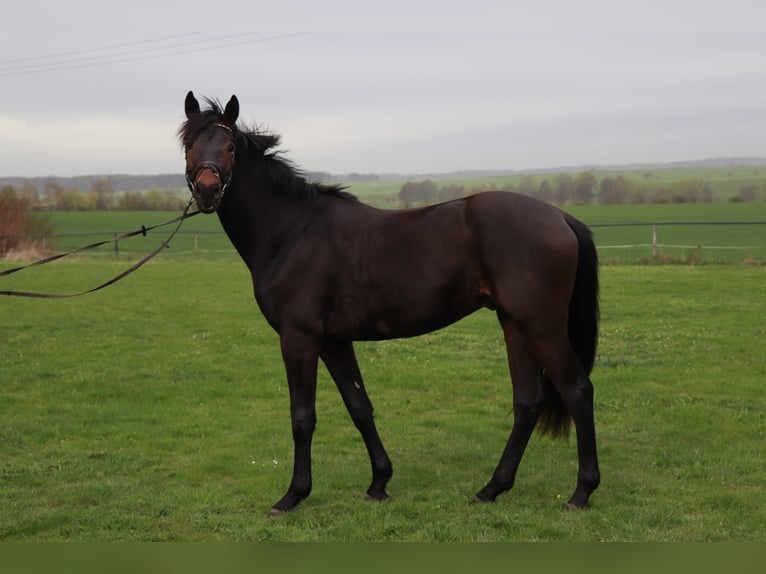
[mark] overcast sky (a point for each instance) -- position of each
(436, 86)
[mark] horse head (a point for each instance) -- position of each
(209, 140)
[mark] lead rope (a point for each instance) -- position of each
(166, 243)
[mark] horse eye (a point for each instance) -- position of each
(230, 147)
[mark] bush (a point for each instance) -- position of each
(24, 234)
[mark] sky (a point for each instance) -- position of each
(371, 87)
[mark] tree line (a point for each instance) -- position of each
(580, 188)
(101, 196)
(583, 188)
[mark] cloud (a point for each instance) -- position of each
(532, 85)
(77, 146)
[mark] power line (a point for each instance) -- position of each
(56, 63)
(91, 50)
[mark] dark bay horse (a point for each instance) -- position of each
(328, 270)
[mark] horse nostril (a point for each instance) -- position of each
(208, 188)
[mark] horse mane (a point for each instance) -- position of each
(254, 142)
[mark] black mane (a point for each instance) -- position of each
(255, 143)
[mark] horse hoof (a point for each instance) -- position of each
(477, 500)
(572, 507)
(274, 512)
(376, 498)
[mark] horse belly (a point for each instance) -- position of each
(403, 311)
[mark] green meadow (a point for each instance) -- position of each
(157, 410)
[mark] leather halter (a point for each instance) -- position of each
(191, 179)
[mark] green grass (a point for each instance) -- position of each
(683, 231)
(77, 228)
(157, 410)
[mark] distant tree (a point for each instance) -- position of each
(418, 192)
(526, 185)
(746, 193)
(409, 193)
(606, 195)
(154, 200)
(545, 191)
(104, 194)
(151, 200)
(8, 192)
(51, 192)
(29, 195)
(428, 190)
(131, 201)
(508, 186)
(173, 202)
(639, 194)
(690, 190)
(584, 186)
(563, 186)
(72, 200)
(612, 190)
(452, 191)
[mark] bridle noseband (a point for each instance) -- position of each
(191, 179)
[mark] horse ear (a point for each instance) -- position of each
(191, 105)
(231, 113)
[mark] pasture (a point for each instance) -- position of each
(157, 409)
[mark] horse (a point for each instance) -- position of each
(328, 270)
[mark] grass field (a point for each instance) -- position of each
(684, 231)
(626, 244)
(157, 410)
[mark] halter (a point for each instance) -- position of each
(190, 179)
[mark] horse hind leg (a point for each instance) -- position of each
(529, 400)
(340, 360)
(572, 383)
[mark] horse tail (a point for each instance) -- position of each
(584, 311)
(582, 329)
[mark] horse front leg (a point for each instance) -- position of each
(300, 357)
(340, 360)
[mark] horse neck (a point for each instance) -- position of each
(256, 216)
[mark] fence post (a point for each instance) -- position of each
(196, 242)
(654, 240)
(116, 247)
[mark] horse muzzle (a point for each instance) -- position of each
(207, 187)
(207, 197)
